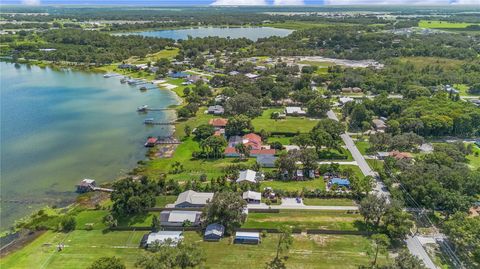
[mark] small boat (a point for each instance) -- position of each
(123, 80)
(143, 89)
(142, 108)
(149, 121)
(132, 81)
(108, 75)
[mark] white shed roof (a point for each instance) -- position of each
(161, 236)
(252, 195)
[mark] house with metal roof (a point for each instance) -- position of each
(214, 232)
(249, 176)
(247, 238)
(266, 160)
(252, 197)
(180, 218)
(295, 111)
(193, 199)
(216, 110)
(172, 237)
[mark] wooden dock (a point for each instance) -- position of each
(158, 109)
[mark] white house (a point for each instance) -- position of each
(295, 111)
(193, 199)
(252, 197)
(249, 176)
(178, 218)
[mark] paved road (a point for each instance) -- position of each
(413, 244)
(416, 248)
(379, 188)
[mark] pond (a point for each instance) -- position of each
(60, 126)
(252, 33)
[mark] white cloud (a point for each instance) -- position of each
(31, 2)
(239, 3)
(289, 2)
(390, 2)
(466, 2)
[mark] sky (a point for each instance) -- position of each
(245, 2)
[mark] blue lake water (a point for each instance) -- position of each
(58, 127)
(252, 33)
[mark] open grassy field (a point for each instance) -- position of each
(84, 247)
(288, 125)
(443, 24)
(306, 219)
(474, 158)
(421, 62)
(162, 201)
(313, 251)
(328, 202)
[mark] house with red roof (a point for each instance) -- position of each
(251, 140)
(218, 122)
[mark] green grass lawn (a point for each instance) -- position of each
(376, 165)
(81, 249)
(306, 252)
(93, 217)
(193, 169)
(84, 247)
(285, 140)
(314, 184)
(306, 219)
(362, 146)
(288, 125)
(443, 24)
(328, 202)
(474, 161)
(162, 201)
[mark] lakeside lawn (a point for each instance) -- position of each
(300, 25)
(306, 219)
(328, 202)
(193, 169)
(289, 125)
(82, 248)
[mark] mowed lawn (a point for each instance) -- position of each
(306, 219)
(193, 169)
(474, 160)
(443, 24)
(307, 252)
(82, 248)
(288, 125)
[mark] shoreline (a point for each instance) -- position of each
(67, 203)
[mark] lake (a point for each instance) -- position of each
(58, 127)
(252, 33)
